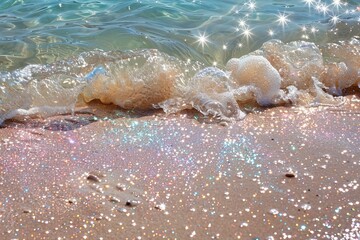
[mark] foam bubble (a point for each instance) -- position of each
(210, 92)
(342, 65)
(296, 62)
(215, 92)
(258, 72)
(135, 82)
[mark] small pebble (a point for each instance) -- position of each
(122, 210)
(121, 187)
(71, 201)
(290, 174)
(98, 173)
(26, 211)
(93, 178)
(160, 207)
(132, 203)
(223, 123)
(114, 199)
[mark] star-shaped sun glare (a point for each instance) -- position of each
(251, 5)
(313, 30)
(242, 23)
(282, 19)
(323, 8)
(337, 3)
(309, 2)
(271, 32)
(247, 33)
(202, 40)
(334, 19)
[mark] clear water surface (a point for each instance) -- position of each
(43, 31)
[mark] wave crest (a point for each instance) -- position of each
(278, 73)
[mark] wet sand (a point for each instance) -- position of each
(280, 173)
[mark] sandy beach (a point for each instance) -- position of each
(281, 173)
(179, 119)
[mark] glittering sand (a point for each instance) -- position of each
(281, 173)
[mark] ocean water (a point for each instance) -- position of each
(213, 56)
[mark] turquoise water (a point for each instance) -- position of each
(33, 31)
(37, 39)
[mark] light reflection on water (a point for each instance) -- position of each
(46, 31)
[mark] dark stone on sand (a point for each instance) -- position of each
(132, 203)
(160, 206)
(26, 211)
(290, 175)
(93, 178)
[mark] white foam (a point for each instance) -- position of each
(296, 62)
(137, 82)
(295, 73)
(258, 72)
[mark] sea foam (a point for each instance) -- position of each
(299, 73)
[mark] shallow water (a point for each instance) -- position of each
(145, 54)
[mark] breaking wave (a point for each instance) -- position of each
(297, 73)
